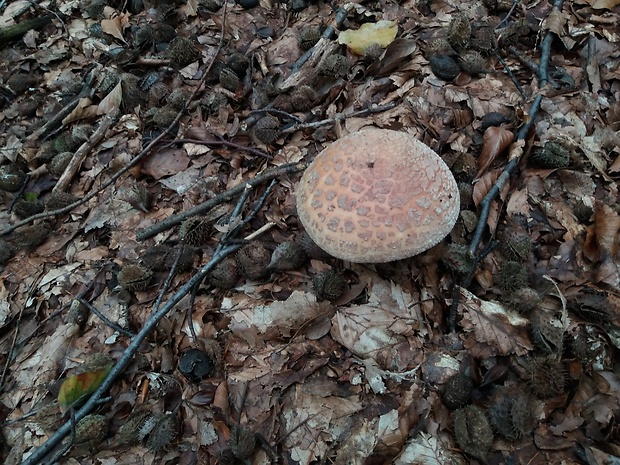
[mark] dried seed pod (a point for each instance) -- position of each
(195, 230)
(155, 257)
(312, 249)
(78, 313)
(164, 117)
(303, 98)
(516, 242)
(6, 252)
(444, 67)
(186, 260)
(512, 414)
(552, 156)
(196, 365)
(92, 429)
(473, 431)
(439, 46)
(182, 52)
(522, 300)
(32, 236)
(457, 391)
(12, 178)
(163, 429)
(545, 376)
(469, 219)
(129, 432)
(483, 39)
(225, 274)
(164, 33)
(239, 63)
(459, 31)
(457, 258)
(329, 285)
(547, 331)
(25, 209)
(22, 82)
(287, 256)
(58, 199)
(242, 442)
(177, 98)
(49, 417)
(138, 196)
(334, 65)
(134, 277)
(472, 62)
(109, 80)
(59, 163)
(592, 307)
(308, 37)
(229, 80)
(144, 37)
(81, 132)
(266, 129)
(283, 102)
(252, 260)
(512, 276)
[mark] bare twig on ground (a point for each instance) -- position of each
(224, 143)
(103, 318)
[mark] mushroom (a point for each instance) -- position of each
(376, 196)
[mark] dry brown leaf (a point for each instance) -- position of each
(602, 236)
(112, 101)
(115, 26)
(603, 4)
(84, 110)
(484, 185)
(496, 140)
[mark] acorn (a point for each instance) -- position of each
(457, 258)
(92, 429)
(182, 52)
(59, 163)
(334, 65)
(155, 257)
(329, 285)
(552, 155)
(239, 63)
(444, 67)
(287, 256)
(312, 249)
(516, 242)
(473, 431)
(522, 300)
(225, 274)
(195, 231)
(252, 260)
(459, 31)
(457, 391)
(308, 37)
(162, 429)
(229, 80)
(266, 129)
(134, 277)
(32, 236)
(472, 62)
(547, 331)
(439, 46)
(129, 433)
(186, 260)
(12, 178)
(545, 376)
(6, 252)
(512, 276)
(164, 117)
(177, 98)
(303, 98)
(57, 200)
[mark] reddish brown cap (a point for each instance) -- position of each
(377, 195)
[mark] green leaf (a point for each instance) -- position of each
(76, 389)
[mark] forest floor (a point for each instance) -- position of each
(127, 134)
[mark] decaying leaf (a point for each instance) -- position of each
(381, 33)
(77, 388)
(496, 140)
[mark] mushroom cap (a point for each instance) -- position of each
(376, 196)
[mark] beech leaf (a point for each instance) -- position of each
(76, 389)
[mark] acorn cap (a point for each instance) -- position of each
(377, 195)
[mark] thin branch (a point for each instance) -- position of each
(224, 143)
(105, 319)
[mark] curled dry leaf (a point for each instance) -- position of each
(482, 188)
(496, 140)
(602, 236)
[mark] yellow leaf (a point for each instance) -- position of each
(381, 33)
(76, 389)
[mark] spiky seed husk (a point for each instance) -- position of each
(132, 94)
(466, 192)
(469, 219)
(137, 196)
(459, 31)
(465, 167)
(266, 129)
(163, 33)
(308, 37)
(25, 209)
(163, 432)
(186, 260)
(182, 52)
(252, 260)
(334, 65)
(177, 98)
(109, 80)
(32, 236)
(78, 313)
(58, 199)
(512, 414)
(303, 98)
(287, 256)
(522, 300)
(457, 391)
(473, 431)
(229, 80)
(91, 429)
(472, 62)
(312, 249)
(516, 242)
(143, 36)
(6, 252)
(457, 258)
(49, 417)
(81, 132)
(439, 46)
(165, 116)
(242, 442)
(329, 285)
(444, 67)
(545, 376)
(157, 93)
(11, 178)
(155, 257)
(483, 39)
(212, 102)
(134, 277)
(59, 163)
(225, 274)
(239, 63)
(129, 432)
(195, 231)
(512, 276)
(552, 155)
(547, 331)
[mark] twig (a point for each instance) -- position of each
(223, 142)
(338, 117)
(509, 14)
(18, 194)
(268, 175)
(511, 76)
(282, 113)
(105, 319)
(85, 149)
(168, 280)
